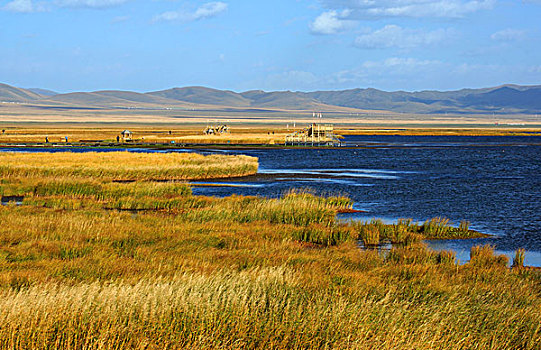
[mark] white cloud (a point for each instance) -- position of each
(22, 6)
(509, 35)
(331, 22)
(168, 16)
(207, 10)
(210, 9)
(388, 71)
(411, 8)
(401, 64)
(402, 73)
(90, 3)
(27, 6)
(396, 36)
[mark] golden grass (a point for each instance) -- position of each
(407, 232)
(116, 280)
(237, 273)
(442, 131)
(126, 165)
(262, 308)
(484, 256)
(264, 132)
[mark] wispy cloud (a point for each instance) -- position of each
(29, 6)
(390, 68)
(410, 8)
(22, 6)
(332, 22)
(509, 35)
(384, 73)
(210, 9)
(403, 38)
(120, 19)
(401, 64)
(89, 3)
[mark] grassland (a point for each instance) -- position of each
(263, 132)
(125, 165)
(87, 262)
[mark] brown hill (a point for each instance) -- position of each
(13, 94)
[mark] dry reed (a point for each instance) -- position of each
(237, 273)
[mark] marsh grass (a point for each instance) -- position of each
(77, 271)
(126, 165)
(446, 257)
(518, 260)
(436, 227)
(464, 226)
(320, 234)
(483, 256)
(407, 232)
(89, 278)
(262, 308)
(107, 191)
(369, 234)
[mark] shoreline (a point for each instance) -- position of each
(245, 145)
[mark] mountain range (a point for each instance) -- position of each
(506, 99)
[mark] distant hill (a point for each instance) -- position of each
(86, 99)
(110, 99)
(203, 95)
(249, 99)
(43, 92)
(13, 94)
(136, 97)
(507, 99)
(283, 99)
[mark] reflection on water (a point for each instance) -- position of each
(224, 184)
(362, 173)
(11, 200)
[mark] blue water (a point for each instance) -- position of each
(493, 182)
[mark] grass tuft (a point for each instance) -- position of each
(483, 256)
(518, 260)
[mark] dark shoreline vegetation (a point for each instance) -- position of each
(90, 262)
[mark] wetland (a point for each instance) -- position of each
(278, 250)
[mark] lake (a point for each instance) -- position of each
(493, 182)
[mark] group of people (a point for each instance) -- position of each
(66, 138)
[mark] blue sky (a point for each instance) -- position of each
(145, 45)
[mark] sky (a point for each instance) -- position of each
(298, 45)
